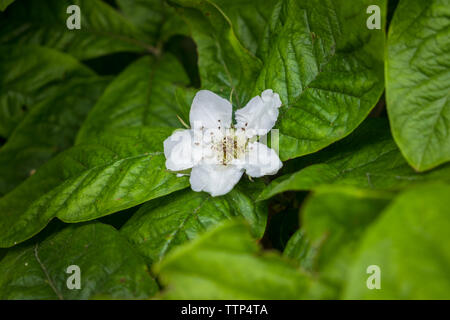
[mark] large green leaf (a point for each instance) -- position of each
(147, 93)
(28, 74)
(108, 174)
(226, 263)
(333, 221)
(418, 81)
(108, 266)
(103, 29)
(318, 55)
(367, 159)
(165, 223)
(409, 243)
(49, 128)
(327, 67)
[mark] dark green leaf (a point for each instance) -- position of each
(147, 93)
(226, 263)
(103, 29)
(367, 159)
(409, 243)
(110, 173)
(318, 55)
(108, 266)
(418, 81)
(49, 128)
(157, 19)
(226, 66)
(28, 74)
(333, 221)
(164, 223)
(327, 66)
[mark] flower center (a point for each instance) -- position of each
(227, 146)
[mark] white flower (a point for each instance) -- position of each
(219, 152)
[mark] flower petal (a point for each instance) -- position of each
(216, 179)
(261, 160)
(180, 151)
(208, 110)
(260, 113)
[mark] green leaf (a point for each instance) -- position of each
(226, 263)
(4, 4)
(108, 266)
(409, 243)
(28, 74)
(144, 94)
(226, 66)
(417, 81)
(49, 128)
(299, 249)
(162, 224)
(367, 159)
(157, 19)
(333, 221)
(318, 55)
(103, 29)
(110, 173)
(247, 20)
(327, 67)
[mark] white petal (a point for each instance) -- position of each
(217, 180)
(261, 160)
(180, 151)
(260, 113)
(208, 110)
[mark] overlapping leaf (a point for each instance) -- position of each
(418, 81)
(150, 92)
(49, 128)
(367, 159)
(154, 17)
(108, 265)
(164, 223)
(29, 74)
(318, 55)
(333, 222)
(103, 29)
(226, 66)
(110, 173)
(226, 263)
(409, 244)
